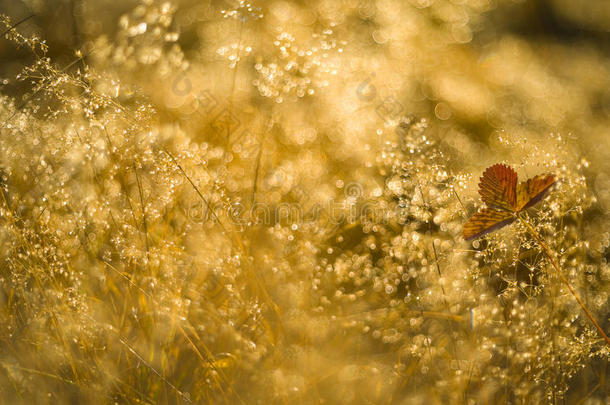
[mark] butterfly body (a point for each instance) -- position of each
(505, 199)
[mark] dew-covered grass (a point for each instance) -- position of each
(262, 202)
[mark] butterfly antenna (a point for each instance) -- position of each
(563, 278)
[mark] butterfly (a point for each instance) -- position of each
(505, 199)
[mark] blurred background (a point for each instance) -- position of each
(177, 104)
(478, 67)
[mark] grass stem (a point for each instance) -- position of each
(563, 278)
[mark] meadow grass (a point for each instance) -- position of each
(249, 203)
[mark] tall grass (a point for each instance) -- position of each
(262, 203)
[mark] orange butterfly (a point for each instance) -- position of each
(504, 199)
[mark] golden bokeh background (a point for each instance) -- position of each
(262, 202)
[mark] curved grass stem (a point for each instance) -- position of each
(563, 278)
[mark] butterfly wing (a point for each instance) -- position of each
(533, 190)
(485, 221)
(498, 187)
